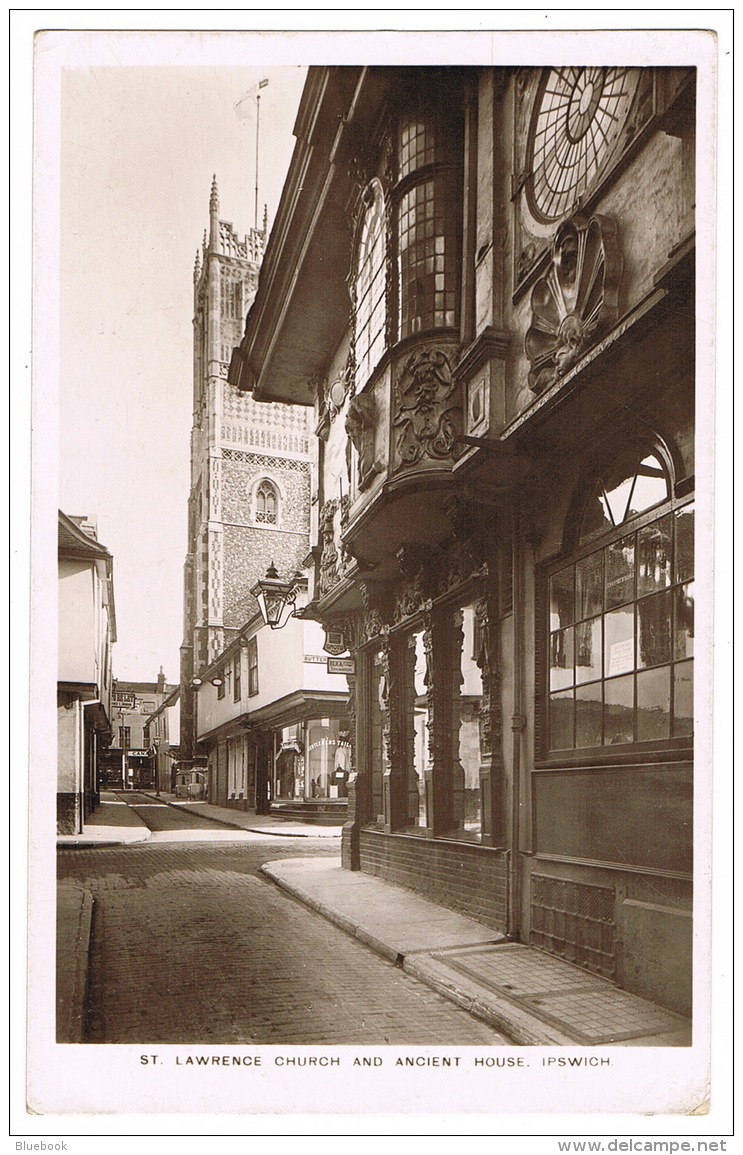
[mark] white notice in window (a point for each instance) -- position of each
(621, 658)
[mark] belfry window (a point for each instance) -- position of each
(621, 615)
(231, 298)
(266, 503)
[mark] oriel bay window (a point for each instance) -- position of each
(407, 263)
(369, 284)
(428, 223)
(621, 616)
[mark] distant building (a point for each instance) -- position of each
(481, 281)
(87, 631)
(161, 729)
(272, 720)
(251, 468)
(128, 763)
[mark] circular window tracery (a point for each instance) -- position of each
(578, 118)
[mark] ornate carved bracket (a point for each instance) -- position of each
(575, 302)
(418, 566)
(360, 422)
(475, 526)
(329, 559)
(376, 600)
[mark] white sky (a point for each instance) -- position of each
(139, 146)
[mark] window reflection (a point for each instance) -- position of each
(589, 584)
(561, 720)
(637, 482)
(654, 556)
(619, 711)
(654, 705)
(620, 572)
(561, 659)
(651, 486)
(562, 599)
(588, 715)
(377, 702)
(466, 816)
(654, 630)
(588, 651)
(683, 643)
(418, 668)
(620, 666)
(684, 522)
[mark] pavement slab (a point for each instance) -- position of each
(396, 921)
(534, 998)
(74, 919)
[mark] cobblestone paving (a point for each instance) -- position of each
(192, 945)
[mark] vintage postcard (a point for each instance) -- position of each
(373, 412)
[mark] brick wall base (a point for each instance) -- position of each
(69, 813)
(464, 877)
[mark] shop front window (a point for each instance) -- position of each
(288, 776)
(466, 805)
(621, 618)
(328, 758)
(417, 719)
(377, 707)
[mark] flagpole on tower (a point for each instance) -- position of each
(241, 108)
(257, 139)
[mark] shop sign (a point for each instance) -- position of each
(341, 665)
(125, 700)
(335, 643)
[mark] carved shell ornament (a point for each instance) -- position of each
(575, 302)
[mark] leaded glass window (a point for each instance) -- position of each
(428, 236)
(370, 288)
(621, 618)
(578, 121)
(266, 503)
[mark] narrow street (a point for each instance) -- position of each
(191, 944)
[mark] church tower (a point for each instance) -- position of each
(251, 465)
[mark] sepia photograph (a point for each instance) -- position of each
(372, 402)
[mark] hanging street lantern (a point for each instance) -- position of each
(277, 599)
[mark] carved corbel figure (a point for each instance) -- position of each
(329, 559)
(360, 419)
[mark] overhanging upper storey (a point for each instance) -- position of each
(307, 289)
(302, 304)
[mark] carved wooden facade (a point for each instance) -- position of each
(516, 317)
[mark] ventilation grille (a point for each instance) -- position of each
(574, 922)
